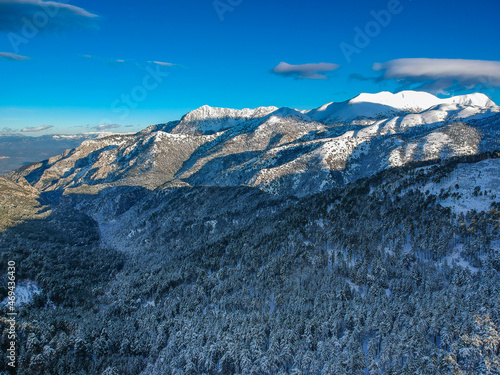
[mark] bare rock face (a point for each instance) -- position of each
(282, 151)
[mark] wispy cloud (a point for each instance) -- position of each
(438, 75)
(7, 130)
(161, 63)
(104, 127)
(36, 129)
(305, 71)
(111, 61)
(43, 15)
(12, 56)
(115, 62)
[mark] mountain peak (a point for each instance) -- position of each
(209, 120)
(207, 111)
(476, 100)
(286, 112)
(420, 99)
(401, 100)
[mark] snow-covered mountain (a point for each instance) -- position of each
(208, 120)
(368, 107)
(280, 150)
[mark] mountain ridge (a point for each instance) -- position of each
(279, 150)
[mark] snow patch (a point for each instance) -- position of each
(25, 291)
(470, 186)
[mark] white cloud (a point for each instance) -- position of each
(161, 63)
(437, 75)
(115, 62)
(36, 129)
(15, 15)
(305, 71)
(13, 56)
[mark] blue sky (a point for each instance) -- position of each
(124, 65)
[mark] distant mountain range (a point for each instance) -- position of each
(17, 150)
(279, 150)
